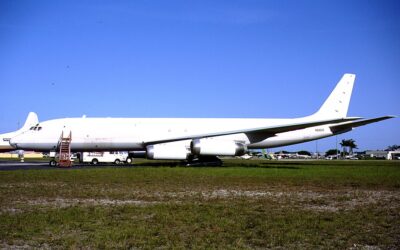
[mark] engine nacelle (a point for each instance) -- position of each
(217, 147)
(167, 151)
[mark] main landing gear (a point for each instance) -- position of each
(204, 161)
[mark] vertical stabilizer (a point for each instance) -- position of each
(337, 104)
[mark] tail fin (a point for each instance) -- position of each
(31, 120)
(337, 104)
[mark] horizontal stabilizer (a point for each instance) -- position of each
(346, 126)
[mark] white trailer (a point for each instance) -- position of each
(104, 157)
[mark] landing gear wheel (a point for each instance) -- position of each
(205, 161)
(95, 161)
(117, 161)
(52, 163)
(129, 160)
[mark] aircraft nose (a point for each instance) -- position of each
(14, 142)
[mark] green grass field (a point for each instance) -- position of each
(244, 205)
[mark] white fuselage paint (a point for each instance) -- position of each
(107, 134)
(171, 138)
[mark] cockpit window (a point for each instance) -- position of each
(36, 128)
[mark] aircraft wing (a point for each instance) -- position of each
(255, 134)
(347, 126)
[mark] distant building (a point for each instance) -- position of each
(377, 154)
(380, 154)
(393, 155)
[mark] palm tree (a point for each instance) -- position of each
(350, 144)
(343, 144)
(392, 148)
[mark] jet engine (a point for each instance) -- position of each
(167, 151)
(204, 147)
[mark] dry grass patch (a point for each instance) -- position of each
(246, 204)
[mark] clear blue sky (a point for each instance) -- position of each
(200, 59)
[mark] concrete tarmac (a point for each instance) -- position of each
(16, 165)
(7, 165)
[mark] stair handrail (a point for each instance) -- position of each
(60, 140)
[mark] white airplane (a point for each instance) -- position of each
(186, 139)
(5, 146)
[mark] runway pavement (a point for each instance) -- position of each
(7, 165)
(15, 165)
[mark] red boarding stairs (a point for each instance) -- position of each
(64, 157)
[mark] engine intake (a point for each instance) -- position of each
(167, 152)
(217, 147)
